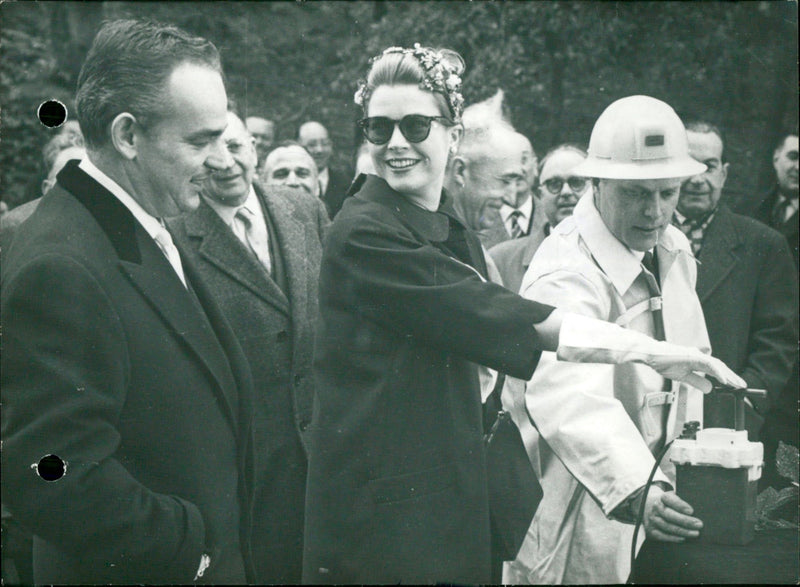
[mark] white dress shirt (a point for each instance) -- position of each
(152, 225)
(523, 221)
(324, 177)
(228, 216)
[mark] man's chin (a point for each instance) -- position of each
(189, 202)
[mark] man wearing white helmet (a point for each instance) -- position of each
(598, 427)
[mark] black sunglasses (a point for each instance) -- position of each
(415, 127)
(554, 185)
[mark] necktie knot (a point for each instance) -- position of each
(164, 241)
(256, 237)
(779, 213)
(246, 216)
(693, 230)
(649, 262)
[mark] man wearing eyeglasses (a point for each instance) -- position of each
(333, 184)
(557, 193)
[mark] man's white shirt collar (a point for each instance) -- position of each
(152, 225)
(227, 213)
(526, 209)
(791, 207)
(324, 177)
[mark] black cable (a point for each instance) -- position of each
(640, 516)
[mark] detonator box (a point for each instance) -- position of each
(717, 474)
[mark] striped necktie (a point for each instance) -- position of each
(516, 229)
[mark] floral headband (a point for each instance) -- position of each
(442, 74)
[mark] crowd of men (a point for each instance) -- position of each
(159, 304)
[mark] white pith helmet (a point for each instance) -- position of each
(639, 137)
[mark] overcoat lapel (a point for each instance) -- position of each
(221, 248)
(143, 263)
(157, 281)
(719, 254)
(292, 238)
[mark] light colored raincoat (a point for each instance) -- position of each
(599, 425)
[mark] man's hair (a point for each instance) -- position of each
(782, 141)
(703, 126)
(310, 122)
(287, 144)
(253, 117)
(291, 143)
(557, 149)
(477, 143)
(126, 70)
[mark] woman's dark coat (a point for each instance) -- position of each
(397, 488)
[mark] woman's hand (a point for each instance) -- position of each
(588, 340)
(684, 363)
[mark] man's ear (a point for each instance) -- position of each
(124, 129)
(455, 134)
(458, 170)
(724, 173)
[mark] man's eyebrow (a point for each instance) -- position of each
(205, 134)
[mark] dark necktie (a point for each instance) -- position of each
(779, 213)
(650, 263)
(516, 229)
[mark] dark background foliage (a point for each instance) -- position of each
(560, 64)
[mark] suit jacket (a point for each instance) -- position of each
(748, 289)
(276, 330)
(336, 191)
(397, 487)
(140, 387)
(513, 257)
(789, 229)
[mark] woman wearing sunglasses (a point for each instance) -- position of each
(397, 486)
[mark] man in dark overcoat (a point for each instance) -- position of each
(747, 286)
(745, 283)
(126, 397)
(272, 308)
(778, 208)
